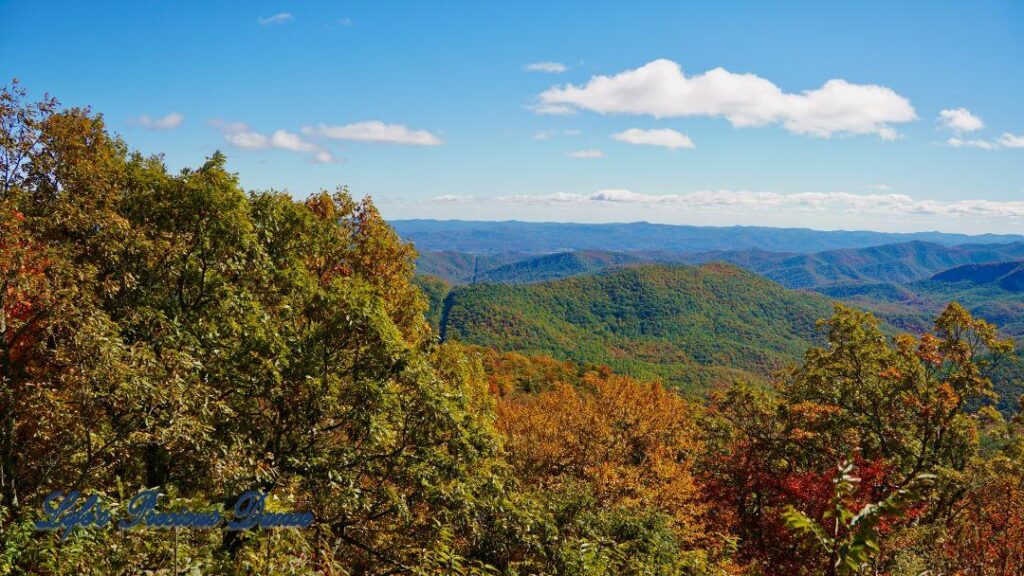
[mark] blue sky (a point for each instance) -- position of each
(697, 113)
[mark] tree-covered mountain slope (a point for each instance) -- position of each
(692, 326)
(462, 267)
(1007, 275)
(558, 265)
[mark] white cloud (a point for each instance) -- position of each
(881, 187)
(169, 122)
(374, 131)
(816, 202)
(248, 140)
(548, 134)
(452, 199)
(553, 109)
(565, 198)
(960, 120)
(1008, 140)
(549, 67)
(239, 134)
(664, 137)
(586, 154)
(346, 22)
(279, 18)
(661, 89)
(983, 144)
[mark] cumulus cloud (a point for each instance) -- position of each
(661, 89)
(732, 201)
(960, 120)
(279, 18)
(664, 137)
(239, 134)
(374, 131)
(169, 122)
(549, 67)
(586, 154)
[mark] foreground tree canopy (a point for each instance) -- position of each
(172, 331)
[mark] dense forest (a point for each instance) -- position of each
(689, 326)
(173, 331)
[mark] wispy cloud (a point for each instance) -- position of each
(374, 131)
(661, 89)
(1007, 140)
(664, 137)
(239, 134)
(168, 122)
(982, 144)
(279, 18)
(960, 120)
(346, 22)
(452, 199)
(552, 109)
(586, 154)
(548, 67)
(548, 134)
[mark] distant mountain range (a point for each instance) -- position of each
(897, 263)
(542, 237)
(894, 263)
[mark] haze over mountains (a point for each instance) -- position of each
(541, 237)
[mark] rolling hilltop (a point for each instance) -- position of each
(691, 326)
(1007, 275)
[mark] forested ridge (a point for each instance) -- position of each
(690, 326)
(173, 331)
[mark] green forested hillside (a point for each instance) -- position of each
(462, 267)
(560, 265)
(435, 290)
(691, 326)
